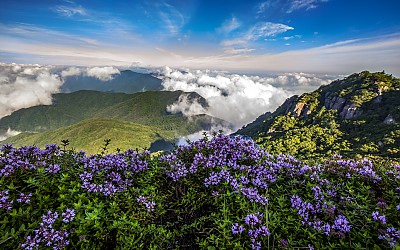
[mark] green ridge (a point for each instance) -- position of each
(61, 120)
(89, 135)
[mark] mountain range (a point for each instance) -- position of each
(88, 117)
(355, 116)
(126, 81)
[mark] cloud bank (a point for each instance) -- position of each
(101, 73)
(238, 99)
(23, 86)
(27, 85)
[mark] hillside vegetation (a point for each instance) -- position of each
(215, 193)
(75, 117)
(358, 115)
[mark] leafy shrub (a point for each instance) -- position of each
(219, 192)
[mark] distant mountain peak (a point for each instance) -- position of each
(361, 104)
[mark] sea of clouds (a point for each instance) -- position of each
(237, 99)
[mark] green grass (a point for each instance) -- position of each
(89, 135)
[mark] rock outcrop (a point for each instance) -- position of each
(345, 108)
(389, 119)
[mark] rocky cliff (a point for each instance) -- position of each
(364, 108)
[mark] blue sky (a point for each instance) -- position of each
(331, 36)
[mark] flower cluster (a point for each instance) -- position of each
(235, 161)
(341, 224)
(391, 235)
(24, 198)
(27, 158)
(311, 213)
(255, 229)
(327, 198)
(68, 215)
(46, 233)
(147, 202)
(111, 173)
(363, 168)
(53, 168)
(4, 200)
(378, 217)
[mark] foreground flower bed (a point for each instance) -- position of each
(219, 192)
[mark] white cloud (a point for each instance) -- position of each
(229, 25)
(258, 31)
(237, 50)
(304, 4)
(238, 99)
(27, 85)
(9, 133)
(23, 86)
(262, 7)
(237, 41)
(266, 29)
(72, 71)
(186, 106)
(102, 73)
(69, 11)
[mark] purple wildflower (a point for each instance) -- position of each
(50, 217)
(263, 231)
(378, 217)
(342, 224)
(31, 243)
(150, 205)
(256, 245)
(23, 198)
(68, 215)
(237, 229)
(252, 220)
(391, 235)
(53, 168)
(4, 202)
(284, 243)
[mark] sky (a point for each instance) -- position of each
(315, 36)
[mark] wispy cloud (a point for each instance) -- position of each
(304, 4)
(69, 11)
(261, 30)
(266, 29)
(266, 5)
(173, 19)
(286, 38)
(238, 50)
(262, 7)
(105, 20)
(229, 25)
(37, 34)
